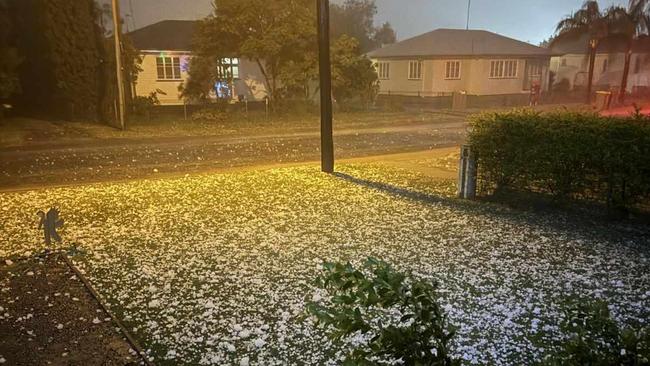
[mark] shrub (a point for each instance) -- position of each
(595, 339)
(564, 154)
(142, 105)
(397, 313)
(210, 115)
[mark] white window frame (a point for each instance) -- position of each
(503, 69)
(228, 68)
(383, 70)
(168, 67)
(453, 70)
(415, 70)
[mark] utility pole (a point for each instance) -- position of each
(118, 62)
(469, 9)
(325, 71)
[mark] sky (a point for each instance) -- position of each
(527, 20)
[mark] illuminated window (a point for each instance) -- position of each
(415, 70)
(503, 69)
(452, 70)
(383, 70)
(169, 68)
(228, 68)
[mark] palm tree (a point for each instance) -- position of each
(630, 24)
(591, 21)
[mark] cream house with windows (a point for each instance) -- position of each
(570, 64)
(165, 48)
(488, 68)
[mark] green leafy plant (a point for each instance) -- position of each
(398, 314)
(596, 339)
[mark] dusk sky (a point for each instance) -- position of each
(526, 20)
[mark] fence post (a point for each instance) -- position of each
(467, 173)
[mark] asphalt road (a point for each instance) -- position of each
(89, 160)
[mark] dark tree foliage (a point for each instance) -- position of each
(9, 59)
(62, 73)
(280, 37)
(356, 18)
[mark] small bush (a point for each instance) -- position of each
(399, 315)
(595, 339)
(564, 154)
(210, 115)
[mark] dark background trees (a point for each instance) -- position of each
(280, 37)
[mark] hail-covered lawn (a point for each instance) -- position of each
(216, 269)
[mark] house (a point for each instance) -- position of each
(165, 48)
(487, 68)
(570, 64)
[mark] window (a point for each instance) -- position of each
(452, 70)
(383, 69)
(169, 68)
(415, 70)
(503, 69)
(228, 68)
(605, 65)
(563, 62)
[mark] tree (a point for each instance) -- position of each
(356, 18)
(354, 78)
(629, 24)
(62, 47)
(9, 58)
(275, 34)
(588, 20)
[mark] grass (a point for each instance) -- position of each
(215, 268)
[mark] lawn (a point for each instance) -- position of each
(216, 269)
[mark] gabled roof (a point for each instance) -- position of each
(168, 35)
(459, 42)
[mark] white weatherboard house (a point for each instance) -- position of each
(489, 68)
(571, 63)
(165, 48)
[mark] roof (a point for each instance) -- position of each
(459, 42)
(168, 35)
(612, 45)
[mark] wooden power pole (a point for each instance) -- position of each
(325, 70)
(118, 62)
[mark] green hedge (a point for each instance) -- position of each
(564, 154)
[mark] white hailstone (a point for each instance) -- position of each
(96, 321)
(623, 352)
(154, 303)
(244, 361)
(155, 170)
(30, 273)
(259, 343)
(75, 299)
(2, 309)
(229, 347)
(59, 326)
(2, 359)
(209, 304)
(8, 262)
(316, 297)
(171, 354)
(245, 333)
(237, 328)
